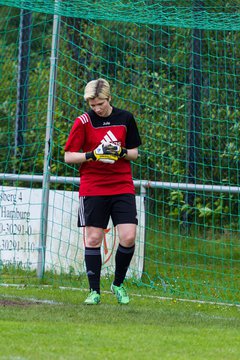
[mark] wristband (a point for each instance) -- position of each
(123, 153)
(89, 155)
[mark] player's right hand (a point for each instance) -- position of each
(102, 153)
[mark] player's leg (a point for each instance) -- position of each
(125, 251)
(96, 216)
(93, 262)
(125, 216)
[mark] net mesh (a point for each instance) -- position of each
(175, 65)
(220, 15)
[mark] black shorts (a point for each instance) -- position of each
(97, 210)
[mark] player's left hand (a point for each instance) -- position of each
(117, 150)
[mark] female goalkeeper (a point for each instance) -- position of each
(108, 139)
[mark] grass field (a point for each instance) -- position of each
(52, 323)
(46, 319)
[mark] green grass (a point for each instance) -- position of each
(203, 266)
(147, 328)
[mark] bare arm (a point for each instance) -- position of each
(74, 157)
(79, 158)
(132, 154)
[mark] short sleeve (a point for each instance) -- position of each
(76, 137)
(133, 139)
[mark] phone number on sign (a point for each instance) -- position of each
(15, 229)
(17, 245)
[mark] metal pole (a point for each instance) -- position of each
(195, 100)
(194, 124)
(48, 147)
(23, 77)
(137, 183)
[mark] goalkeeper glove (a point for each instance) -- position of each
(103, 153)
(117, 150)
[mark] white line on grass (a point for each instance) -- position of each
(132, 294)
(32, 300)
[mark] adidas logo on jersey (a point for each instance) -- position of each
(109, 138)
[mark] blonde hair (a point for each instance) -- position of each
(97, 88)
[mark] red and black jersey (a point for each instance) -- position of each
(88, 131)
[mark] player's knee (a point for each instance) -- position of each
(93, 241)
(128, 240)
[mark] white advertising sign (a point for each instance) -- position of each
(20, 210)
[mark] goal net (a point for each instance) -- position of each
(175, 66)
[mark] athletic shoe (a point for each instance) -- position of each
(121, 294)
(93, 298)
